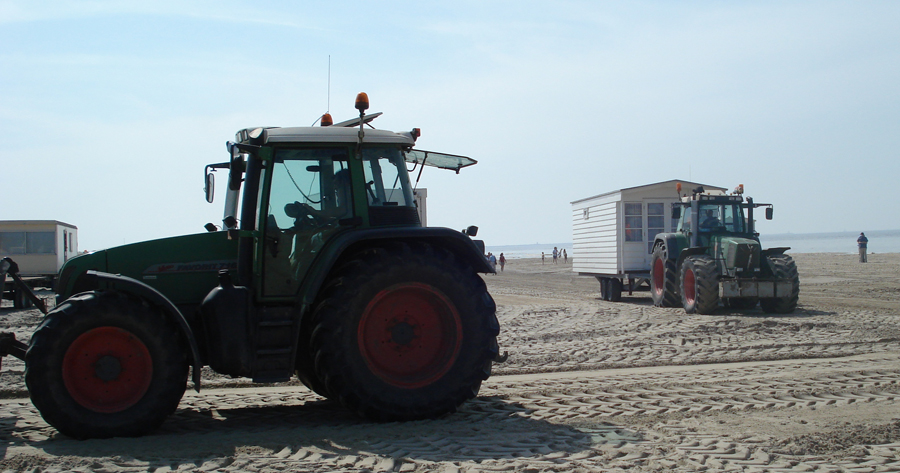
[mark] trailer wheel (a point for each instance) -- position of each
(21, 299)
(404, 332)
(782, 267)
(103, 364)
(615, 290)
(663, 279)
(699, 285)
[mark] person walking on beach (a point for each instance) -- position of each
(565, 256)
(555, 254)
(862, 242)
(493, 260)
(502, 262)
(542, 257)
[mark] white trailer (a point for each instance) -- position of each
(39, 248)
(613, 233)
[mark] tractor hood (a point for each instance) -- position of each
(737, 251)
(183, 268)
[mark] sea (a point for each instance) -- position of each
(880, 241)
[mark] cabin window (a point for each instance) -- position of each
(634, 222)
(12, 243)
(40, 243)
(27, 243)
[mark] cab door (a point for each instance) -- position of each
(309, 194)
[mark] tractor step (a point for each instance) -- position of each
(276, 333)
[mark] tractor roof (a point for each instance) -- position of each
(350, 135)
(327, 134)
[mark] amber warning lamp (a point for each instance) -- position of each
(326, 120)
(678, 187)
(362, 102)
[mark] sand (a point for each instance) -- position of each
(589, 386)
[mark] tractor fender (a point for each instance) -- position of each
(689, 252)
(106, 281)
(458, 243)
(773, 251)
(671, 242)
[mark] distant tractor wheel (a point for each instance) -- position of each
(615, 290)
(663, 279)
(699, 285)
(740, 303)
(105, 365)
(404, 332)
(782, 267)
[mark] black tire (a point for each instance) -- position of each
(103, 364)
(604, 288)
(782, 267)
(21, 299)
(404, 332)
(699, 285)
(663, 278)
(615, 290)
(305, 365)
(740, 303)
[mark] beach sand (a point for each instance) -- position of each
(589, 385)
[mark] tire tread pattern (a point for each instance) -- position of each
(83, 312)
(782, 267)
(334, 350)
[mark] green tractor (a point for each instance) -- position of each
(320, 270)
(715, 255)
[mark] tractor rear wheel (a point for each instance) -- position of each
(782, 267)
(699, 285)
(103, 364)
(663, 279)
(404, 332)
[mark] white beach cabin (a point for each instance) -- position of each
(613, 233)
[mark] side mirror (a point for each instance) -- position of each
(768, 213)
(472, 231)
(676, 212)
(209, 187)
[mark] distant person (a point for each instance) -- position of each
(555, 254)
(502, 262)
(565, 256)
(493, 260)
(542, 257)
(862, 242)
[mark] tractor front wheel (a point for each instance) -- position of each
(404, 332)
(663, 279)
(103, 364)
(699, 285)
(782, 267)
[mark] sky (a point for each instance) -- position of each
(111, 109)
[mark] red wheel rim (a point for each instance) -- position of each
(658, 277)
(107, 369)
(689, 287)
(410, 335)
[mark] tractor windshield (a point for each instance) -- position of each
(722, 218)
